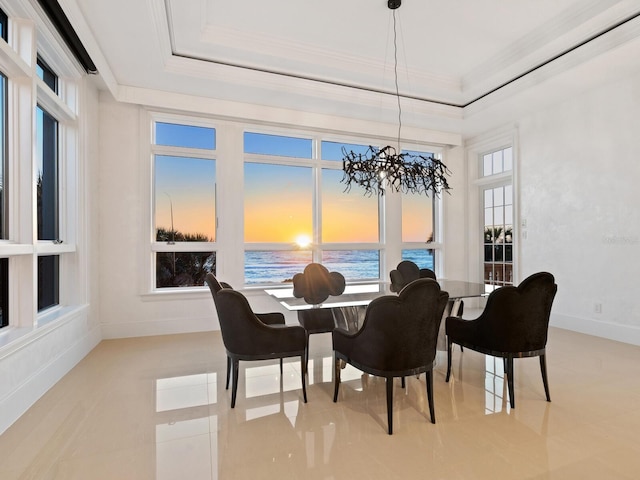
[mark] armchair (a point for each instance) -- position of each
(271, 318)
(397, 339)
(246, 337)
(514, 324)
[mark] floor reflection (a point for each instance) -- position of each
(157, 408)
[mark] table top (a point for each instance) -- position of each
(362, 294)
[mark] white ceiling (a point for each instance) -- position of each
(456, 58)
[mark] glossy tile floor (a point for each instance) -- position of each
(156, 408)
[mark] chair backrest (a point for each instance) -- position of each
(400, 333)
(406, 272)
(516, 319)
(239, 325)
(316, 283)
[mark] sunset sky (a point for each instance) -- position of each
(278, 199)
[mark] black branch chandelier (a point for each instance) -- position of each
(387, 167)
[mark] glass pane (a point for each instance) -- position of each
(488, 198)
(488, 216)
(497, 162)
(269, 267)
(4, 22)
(185, 199)
(508, 159)
(47, 175)
(48, 281)
(508, 214)
(277, 203)
(498, 196)
(508, 234)
(277, 145)
(46, 74)
(3, 157)
(417, 218)
(353, 264)
(333, 150)
(508, 195)
(183, 269)
(487, 165)
(4, 292)
(347, 217)
(188, 136)
(424, 258)
(498, 215)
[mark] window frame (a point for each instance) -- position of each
(230, 246)
(501, 141)
(21, 247)
(155, 246)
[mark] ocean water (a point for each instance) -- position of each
(273, 267)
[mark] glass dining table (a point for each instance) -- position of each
(349, 308)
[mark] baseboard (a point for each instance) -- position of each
(159, 327)
(612, 331)
(14, 405)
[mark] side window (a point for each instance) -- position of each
(184, 204)
(41, 186)
(47, 206)
(498, 213)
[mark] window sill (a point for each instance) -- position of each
(13, 339)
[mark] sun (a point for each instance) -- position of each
(303, 241)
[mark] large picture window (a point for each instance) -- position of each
(296, 211)
(286, 199)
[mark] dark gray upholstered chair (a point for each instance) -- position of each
(397, 339)
(271, 318)
(247, 337)
(406, 272)
(514, 324)
(315, 285)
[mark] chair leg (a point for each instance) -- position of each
(234, 386)
(306, 354)
(336, 379)
(403, 383)
(509, 372)
(304, 383)
(390, 404)
(228, 372)
(448, 359)
(281, 366)
(543, 369)
(430, 395)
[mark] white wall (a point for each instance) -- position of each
(579, 177)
